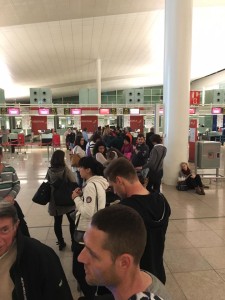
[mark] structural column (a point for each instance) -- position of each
(176, 93)
(99, 86)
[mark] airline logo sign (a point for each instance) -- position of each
(194, 98)
(113, 111)
(126, 111)
(53, 111)
(67, 111)
(4, 110)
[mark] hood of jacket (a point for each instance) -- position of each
(55, 173)
(99, 180)
(153, 208)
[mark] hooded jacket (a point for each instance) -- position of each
(52, 175)
(37, 272)
(93, 199)
(155, 211)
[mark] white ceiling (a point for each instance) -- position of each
(55, 43)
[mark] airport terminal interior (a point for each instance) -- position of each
(195, 241)
(85, 63)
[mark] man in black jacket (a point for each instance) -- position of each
(29, 270)
(153, 207)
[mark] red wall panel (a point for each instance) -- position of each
(137, 122)
(38, 123)
(90, 122)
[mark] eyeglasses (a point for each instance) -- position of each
(6, 230)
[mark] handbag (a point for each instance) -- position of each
(62, 192)
(182, 186)
(43, 194)
(78, 235)
(74, 159)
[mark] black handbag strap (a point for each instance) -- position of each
(96, 195)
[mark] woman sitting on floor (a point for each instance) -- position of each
(193, 181)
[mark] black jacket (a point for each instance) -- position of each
(37, 272)
(140, 158)
(155, 211)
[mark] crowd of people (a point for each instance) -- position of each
(117, 249)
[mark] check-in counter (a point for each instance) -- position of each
(46, 139)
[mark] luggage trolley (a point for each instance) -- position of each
(21, 143)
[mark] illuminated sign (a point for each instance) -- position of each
(161, 111)
(13, 111)
(104, 111)
(216, 110)
(43, 111)
(134, 111)
(192, 111)
(75, 111)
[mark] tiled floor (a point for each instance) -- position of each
(195, 243)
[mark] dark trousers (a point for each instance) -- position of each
(79, 273)
(22, 225)
(154, 181)
(58, 227)
(194, 182)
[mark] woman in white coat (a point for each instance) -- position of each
(87, 201)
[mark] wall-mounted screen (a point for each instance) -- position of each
(134, 111)
(13, 111)
(161, 111)
(75, 111)
(43, 111)
(104, 111)
(216, 110)
(192, 111)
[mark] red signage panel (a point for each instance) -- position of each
(38, 123)
(137, 122)
(194, 97)
(89, 122)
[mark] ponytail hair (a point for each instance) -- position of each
(91, 163)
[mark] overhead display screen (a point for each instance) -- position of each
(192, 111)
(43, 111)
(13, 111)
(134, 111)
(75, 111)
(104, 111)
(216, 110)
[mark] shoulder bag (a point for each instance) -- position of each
(79, 234)
(43, 194)
(62, 191)
(74, 159)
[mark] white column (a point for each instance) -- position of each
(99, 86)
(176, 91)
(156, 121)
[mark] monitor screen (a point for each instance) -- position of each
(192, 111)
(13, 111)
(75, 111)
(134, 111)
(104, 111)
(43, 111)
(216, 110)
